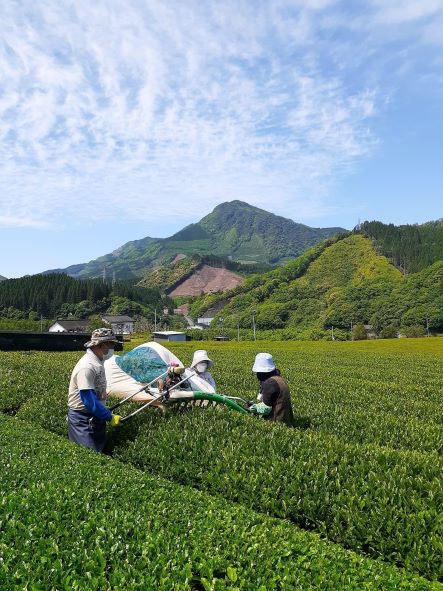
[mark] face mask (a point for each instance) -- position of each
(108, 355)
(201, 367)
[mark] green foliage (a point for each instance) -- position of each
(409, 247)
(24, 325)
(95, 321)
(58, 295)
(359, 332)
(413, 331)
(389, 332)
(72, 519)
(330, 474)
(337, 283)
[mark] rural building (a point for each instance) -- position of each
(120, 324)
(169, 335)
(76, 326)
(370, 331)
(205, 320)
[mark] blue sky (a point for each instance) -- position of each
(125, 119)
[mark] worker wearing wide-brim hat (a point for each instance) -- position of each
(274, 398)
(87, 415)
(201, 364)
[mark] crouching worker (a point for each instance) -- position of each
(201, 364)
(274, 399)
(87, 415)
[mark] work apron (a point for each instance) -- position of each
(86, 430)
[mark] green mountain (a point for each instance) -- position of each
(2, 278)
(409, 247)
(340, 282)
(234, 229)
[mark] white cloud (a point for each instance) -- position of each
(113, 109)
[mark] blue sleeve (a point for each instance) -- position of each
(94, 406)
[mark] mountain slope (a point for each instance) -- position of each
(409, 247)
(339, 282)
(233, 229)
(3, 278)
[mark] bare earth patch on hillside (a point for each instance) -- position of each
(207, 279)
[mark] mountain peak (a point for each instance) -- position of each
(234, 229)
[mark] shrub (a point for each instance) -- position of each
(72, 519)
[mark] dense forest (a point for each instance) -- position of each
(410, 247)
(60, 296)
(339, 283)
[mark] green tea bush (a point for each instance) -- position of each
(74, 520)
(385, 503)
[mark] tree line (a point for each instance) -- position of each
(411, 248)
(58, 295)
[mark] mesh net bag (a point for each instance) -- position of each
(143, 364)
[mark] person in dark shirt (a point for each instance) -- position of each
(274, 399)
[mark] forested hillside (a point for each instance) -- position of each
(339, 283)
(409, 247)
(235, 230)
(58, 295)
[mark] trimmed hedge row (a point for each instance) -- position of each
(72, 519)
(396, 403)
(385, 503)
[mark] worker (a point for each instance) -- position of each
(87, 415)
(274, 398)
(201, 364)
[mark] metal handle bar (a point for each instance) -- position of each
(143, 389)
(159, 397)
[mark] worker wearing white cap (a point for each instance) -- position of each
(274, 398)
(201, 364)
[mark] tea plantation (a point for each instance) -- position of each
(209, 499)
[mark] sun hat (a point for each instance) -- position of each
(263, 363)
(199, 356)
(101, 335)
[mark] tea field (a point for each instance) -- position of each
(208, 499)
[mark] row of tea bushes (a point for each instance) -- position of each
(361, 397)
(386, 503)
(74, 520)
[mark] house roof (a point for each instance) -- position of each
(73, 324)
(118, 319)
(168, 332)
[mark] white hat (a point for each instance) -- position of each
(200, 355)
(263, 363)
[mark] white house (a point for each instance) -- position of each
(205, 320)
(80, 326)
(120, 324)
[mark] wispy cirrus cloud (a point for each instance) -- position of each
(142, 109)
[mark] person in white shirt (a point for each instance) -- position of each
(87, 415)
(201, 364)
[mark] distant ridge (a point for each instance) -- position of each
(2, 278)
(338, 283)
(233, 229)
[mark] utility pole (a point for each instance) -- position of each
(332, 333)
(427, 325)
(253, 323)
